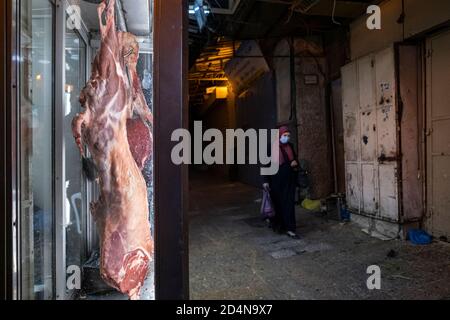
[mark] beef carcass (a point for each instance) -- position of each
(112, 96)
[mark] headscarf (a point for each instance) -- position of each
(283, 130)
(284, 149)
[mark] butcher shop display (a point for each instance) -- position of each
(116, 129)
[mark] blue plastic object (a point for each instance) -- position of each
(345, 215)
(419, 237)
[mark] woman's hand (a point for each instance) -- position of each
(266, 186)
(294, 164)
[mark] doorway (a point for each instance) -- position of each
(438, 134)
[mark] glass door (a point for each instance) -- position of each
(75, 207)
(53, 191)
(71, 187)
(36, 110)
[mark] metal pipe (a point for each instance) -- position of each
(333, 135)
(121, 23)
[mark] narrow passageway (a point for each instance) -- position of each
(233, 255)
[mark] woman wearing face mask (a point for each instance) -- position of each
(282, 187)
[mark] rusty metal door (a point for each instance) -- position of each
(438, 134)
(370, 134)
(350, 110)
(387, 134)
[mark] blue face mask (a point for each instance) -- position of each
(284, 139)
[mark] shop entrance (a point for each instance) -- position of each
(49, 233)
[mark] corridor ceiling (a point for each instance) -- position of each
(262, 19)
(259, 19)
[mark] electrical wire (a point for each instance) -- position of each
(333, 14)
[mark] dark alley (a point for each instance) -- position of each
(233, 255)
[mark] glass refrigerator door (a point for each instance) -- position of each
(36, 110)
(75, 207)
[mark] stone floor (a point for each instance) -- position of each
(233, 255)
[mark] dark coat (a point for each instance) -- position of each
(282, 191)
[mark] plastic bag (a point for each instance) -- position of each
(312, 205)
(419, 237)
(267, 210)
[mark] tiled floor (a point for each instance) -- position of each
(233, 255)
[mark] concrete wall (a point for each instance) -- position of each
(313, 125)
(420, 16)
(256, 109)
(283, 81)
(337, 51)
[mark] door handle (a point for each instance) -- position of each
(74, 199)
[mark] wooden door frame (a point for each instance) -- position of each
(8, 151)
(170, 180)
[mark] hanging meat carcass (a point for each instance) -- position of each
(111, 98)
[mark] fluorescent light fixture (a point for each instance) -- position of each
(219, 92)
(199, 13)
(194, 9)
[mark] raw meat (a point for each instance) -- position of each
(140, 141)
(112, 96)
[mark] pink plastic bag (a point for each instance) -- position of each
(267, 210)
